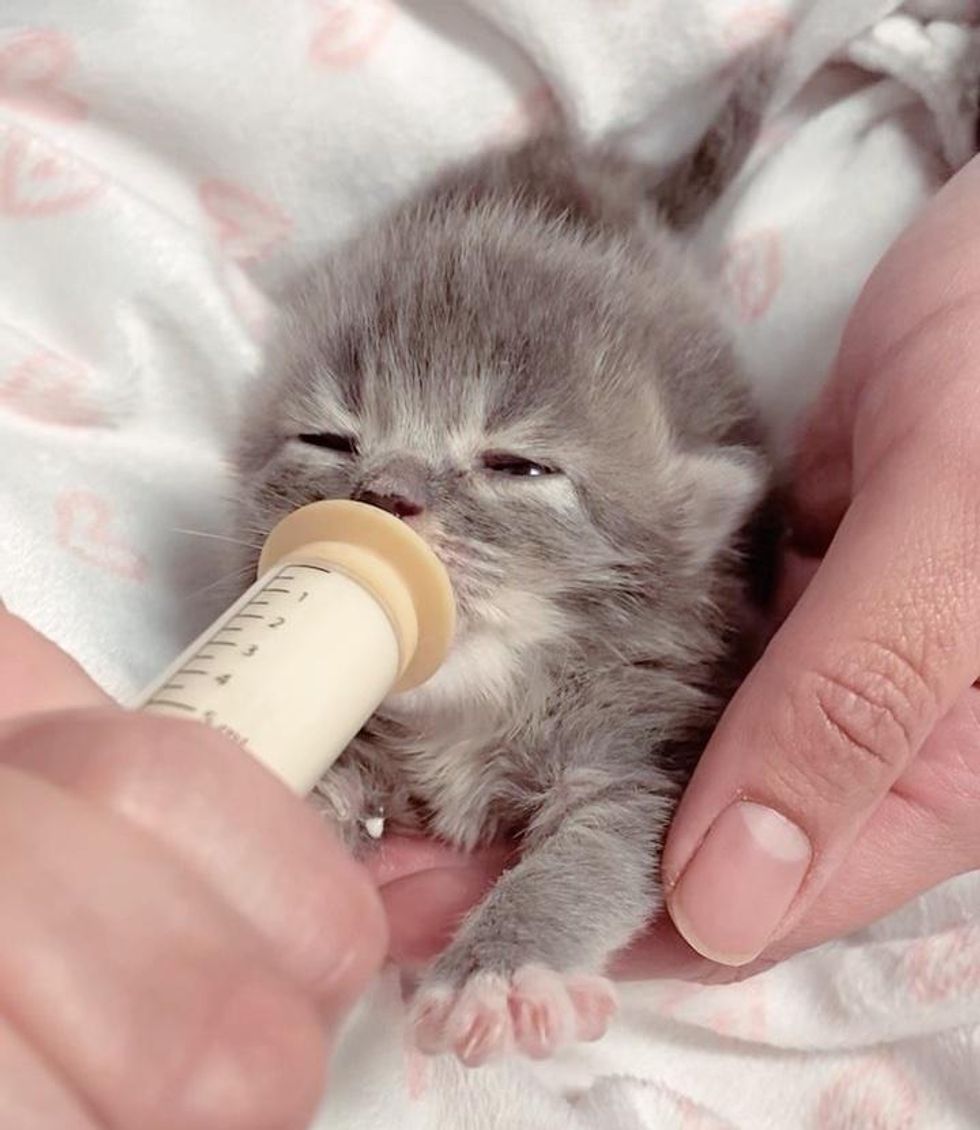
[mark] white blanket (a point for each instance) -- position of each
(164, 163)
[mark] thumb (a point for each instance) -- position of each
(879, 647)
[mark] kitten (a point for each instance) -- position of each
(523, 362)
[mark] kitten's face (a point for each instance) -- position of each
(503, 412)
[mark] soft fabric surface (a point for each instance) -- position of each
(164, 164)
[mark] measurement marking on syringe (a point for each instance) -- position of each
(171, 702)
(218, 643)
(191, 671)
(250, 616)
(172, 687)
(231, 630)
(286, 591)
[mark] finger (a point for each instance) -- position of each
(36, 675)
(931, 271)
(224, 816)
(155, 1003)
(427, 889)
(836, 708)
(795, 575)
(822, 470)
(30, 1094)
(661, 952)
(927, 283)
(398, 857)
(901, 852)
(924, 832)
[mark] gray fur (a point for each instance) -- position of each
(535, 302)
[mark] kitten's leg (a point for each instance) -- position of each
(522, 971)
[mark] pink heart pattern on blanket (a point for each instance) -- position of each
(752, 271)
(34, 66)
(51, 388)
(39, 180)
(348, 31)
(248, 227)
(85, 527)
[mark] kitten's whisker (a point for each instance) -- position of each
(213, 537)
(243, 573)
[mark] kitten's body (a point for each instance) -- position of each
(535, 302)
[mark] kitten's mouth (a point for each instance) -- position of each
(473, 575)
(472, 579)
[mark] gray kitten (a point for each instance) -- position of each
(523, 362)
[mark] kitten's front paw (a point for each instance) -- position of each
(340, 801)
(535, 1011)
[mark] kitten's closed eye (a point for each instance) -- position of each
(516, 465)
(331, 441)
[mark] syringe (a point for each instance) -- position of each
(350, 604)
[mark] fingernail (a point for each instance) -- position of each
(736, 890)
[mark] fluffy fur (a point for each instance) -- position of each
(536, 305)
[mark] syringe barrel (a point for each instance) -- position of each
(291, 671)
(351, 604)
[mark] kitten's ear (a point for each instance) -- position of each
(721, 489)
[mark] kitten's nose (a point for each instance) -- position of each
(396, 504)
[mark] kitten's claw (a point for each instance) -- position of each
(541, 1012)
(429, 1015)
(536, 1011)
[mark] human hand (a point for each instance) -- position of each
(860, 727)
(181, 936)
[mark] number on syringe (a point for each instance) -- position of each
(278, 622)
(249, 651)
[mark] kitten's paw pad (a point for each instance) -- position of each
(595, 1004)
(550, 1010)
(542, 1012)
(474, 1023)
(536, 1011)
